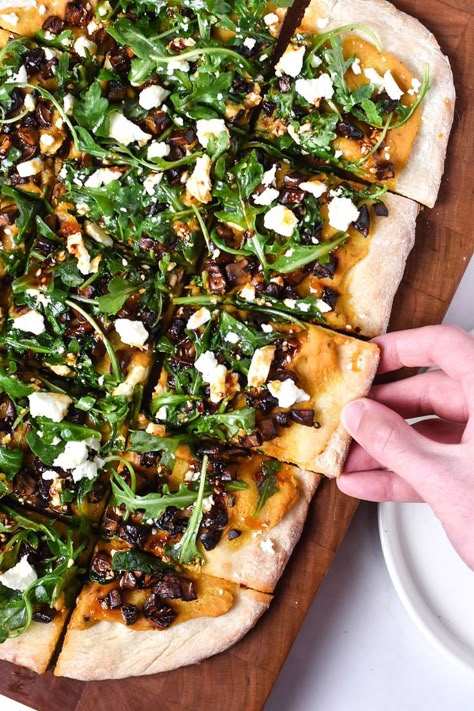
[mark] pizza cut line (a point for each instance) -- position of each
(198, 236)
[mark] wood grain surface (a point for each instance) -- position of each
(241, 678)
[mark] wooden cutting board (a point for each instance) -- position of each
(242, 677)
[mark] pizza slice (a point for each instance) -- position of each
(275, 387)
(364, 87)
(308, 243)
(169, 617)
(252, 507)
(56, 448)
(40, 574)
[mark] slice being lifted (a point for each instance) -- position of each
(382, 111)
(274, 387)
(307, 244)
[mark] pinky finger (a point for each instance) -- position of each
(377, 485)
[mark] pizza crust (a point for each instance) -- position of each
(414, 45)
(332, 369)
(113, 651)
(371, 284)
(259, 561)
(35, 647)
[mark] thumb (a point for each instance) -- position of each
(388, 438)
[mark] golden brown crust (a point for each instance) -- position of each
(113, 651)
(35, 647)
(333, 369)
(413, 44)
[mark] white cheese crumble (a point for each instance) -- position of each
(415, 87)
(322, 306)
(270, 19)
(391, 86)
(75, 458)
(151, 181)
(68, 104)
(40, 297)
(287, 393)
(30, 102)
(46, 141)
(84, 47)
(232, 337)
(355, 66)
(199, 183)
(198, 318)
(314, 187)
(53, 406)
(11, 18)
(260, 366)
(266, 197)
(291, 62)
(152, 97)
(314, 89)
(341, 213)
(20, 77)
(77, 247)
(266, 544)
(249, 43)
(30, 322)
(102, 176)
(247, 292)
(180, 65)
(281, 220)
(20, 577)
(269, 176)
(125, 131)
(133, 333)
(135, 376)
(213, 373)
(205, 128)
(322, 22)
(266, 327)
(157, 149)
(207, 503)
(374, 77)
(29, 167)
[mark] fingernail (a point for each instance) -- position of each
(352, 414)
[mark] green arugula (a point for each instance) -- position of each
(186, 550)
(269, 485)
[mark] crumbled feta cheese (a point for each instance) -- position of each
(42, 9)
(322, 306)
(247, 292)
(53, 406)
(179, 65)
(269, 176)
(249, 43)
(199, 183)
(266, 327)
(29, 167)
(355, 66)
(46, 141)
(102, 176)
(21, 77)
(152, 97)
(207, 503)
(198, 318)
(266, 197)
(266, 544)
(314, 89)
(68, 104)
(85, 47)
(205, 128)
(20, 577)
(161, 413)
(74, 454)
(40, 297)
(214, 374)
(314, 187)
(151, 181)
(125, 131)
(322, 22)
(133, 333)
(158, 149)
(98, 234)
(341, 213)
(260, 366)
(135, 376)
(281, 220)
(391, 86)
(30, 322)
(49, 475)
(270, 19)
(205, 364)
(88, 469)
(92, 27)
(77, 247)
(287, 393)
(415, 87)
(10, 18)
(374, 77)
(232, 337)
(291, 62)
(30, 102)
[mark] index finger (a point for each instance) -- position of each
(447, 347)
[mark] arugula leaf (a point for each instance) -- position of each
(137, 560)
(11, 461)
(119, 291)
(91, 110)
(186, 550)
(13, 386)
(269, 485)
(143, 442)
(226, 424)
(302, 254)
(151, 504)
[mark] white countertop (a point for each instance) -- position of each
(358, 650)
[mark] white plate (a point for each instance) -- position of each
(434, 584)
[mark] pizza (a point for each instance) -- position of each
(205, 214)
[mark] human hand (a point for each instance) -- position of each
(433, 460)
